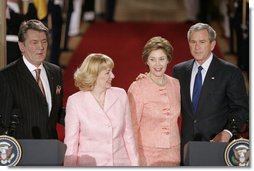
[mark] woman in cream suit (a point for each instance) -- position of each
(155, 108)
(98, 128)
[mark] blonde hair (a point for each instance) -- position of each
(85, 76)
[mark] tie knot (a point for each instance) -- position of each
(200, 68)
(37, 71)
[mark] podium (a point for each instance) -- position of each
(42, 152)
(201, 153)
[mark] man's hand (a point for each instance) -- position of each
(223, 136)
(141, 76)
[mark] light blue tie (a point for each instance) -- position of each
(197, 89)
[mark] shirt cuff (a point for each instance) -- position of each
(228, 132)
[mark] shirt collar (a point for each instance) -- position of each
(205, 65)
(30, 66)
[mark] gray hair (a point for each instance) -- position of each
(31, 25)
(202, 26)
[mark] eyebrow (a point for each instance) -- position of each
(158, 57)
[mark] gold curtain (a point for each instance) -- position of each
(41, 6)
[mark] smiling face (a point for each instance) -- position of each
(34, 48)
(200, 45)
(157, 62)
(104, 79)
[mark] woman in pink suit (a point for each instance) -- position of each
(155, 107)
(98, 128)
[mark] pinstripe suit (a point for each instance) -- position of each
(20, 93)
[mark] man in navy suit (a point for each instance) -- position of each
(34, 110)
(223, 94)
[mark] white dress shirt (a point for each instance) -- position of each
(205, 67)
(44, 80)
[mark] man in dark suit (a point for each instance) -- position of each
(222, 96)
(31, 104)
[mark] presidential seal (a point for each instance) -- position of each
(237, 153)
(10, 151)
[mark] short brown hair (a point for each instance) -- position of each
(157, 43)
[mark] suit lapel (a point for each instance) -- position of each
(208, 84)
(51, 84)
(28, 77)
(110, 99)
(186, 86)
(94, 104)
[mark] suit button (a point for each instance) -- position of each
(195, 121)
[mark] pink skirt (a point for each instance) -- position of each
(159, 156)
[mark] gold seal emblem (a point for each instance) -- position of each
(237, 153)
(10, 151)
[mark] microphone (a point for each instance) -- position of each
(234, 129)
(13, 124)
(3, 130)
(36, 133)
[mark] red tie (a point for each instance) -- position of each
(38, 80)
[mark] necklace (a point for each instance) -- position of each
(99, 100)
(159, 83)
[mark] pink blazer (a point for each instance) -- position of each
(155, 111)
(96, 136)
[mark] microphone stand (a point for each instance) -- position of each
(13, 125)
(3, 130)
(234, 129)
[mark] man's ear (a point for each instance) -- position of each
(21, 46)
(213, 43)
